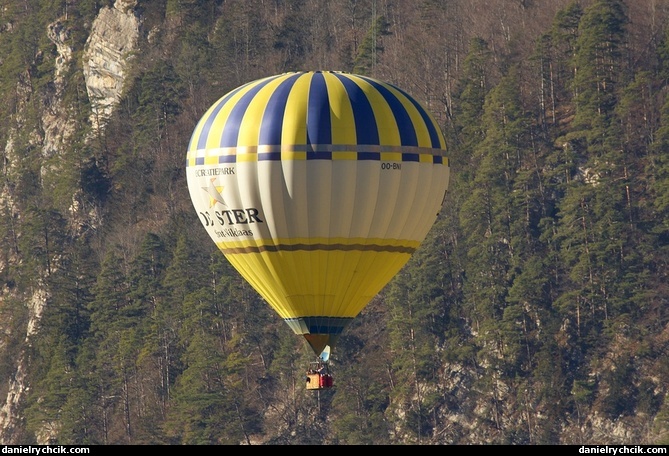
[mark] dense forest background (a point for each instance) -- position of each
(536, 312)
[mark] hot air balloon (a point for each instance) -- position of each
(317, 186)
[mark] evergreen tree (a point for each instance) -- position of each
(158, 97)
(98, 363)
(411, 309)
(592, 213)
(155, 343)
(71, 291)
(81, 422)
(658, 169)
(598, 59)
(120, 329)
(210, 402)
(544, 63)
(468, 109)
(52, 387)
(370, 48)
(488, 216)
(564, 35)
(363, 383)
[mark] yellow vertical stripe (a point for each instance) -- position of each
(341, 112)
(216, 129)
(422, 133)
(389, 134)
(198, 131)
(250, 125)
(295, 119)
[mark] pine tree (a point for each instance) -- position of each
(658, 168)
(564, 35)
(81, 423)
(371, 47)
(592, 221)
(488, 215)
(51, 390)
(96, 364)
(209, 403)
(470, 98)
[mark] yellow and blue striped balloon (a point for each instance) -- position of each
(317, 186)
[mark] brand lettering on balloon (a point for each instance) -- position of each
(232, 217)
(238, 216)
(232, 232)
(226, 217)
(214, 172)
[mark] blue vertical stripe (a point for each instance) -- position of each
(319, 114)
(204, 134)
(366, 129)
(405, 126)
(230, 133)
(272, 121)
(431, 127)
(319, 126)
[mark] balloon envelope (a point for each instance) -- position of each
(317, 187)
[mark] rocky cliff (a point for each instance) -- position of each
(109, 48)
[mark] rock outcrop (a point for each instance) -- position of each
(109, 49)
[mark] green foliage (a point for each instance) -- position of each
(471, 95)
(208, 395)
(158, 94)
(43, 413)
(366, 59)
(621, 392)
(583, 392)
(598, 59)
(364, 403)
(43, 240)
(659, 171)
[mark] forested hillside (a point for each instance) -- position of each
(536, 312)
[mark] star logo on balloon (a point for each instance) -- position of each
(215, 193)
